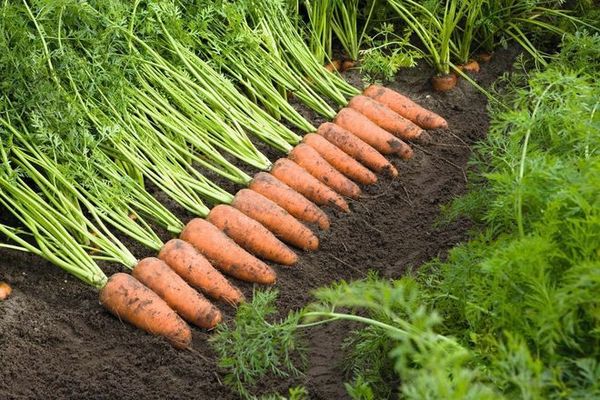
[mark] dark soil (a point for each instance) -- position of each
(56, 341)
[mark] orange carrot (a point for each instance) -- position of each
(5, 290)
(356, 148)
(225, 254)
(301, 181)
(383, 116)
(335, 65)
(275, 218)
(251, 235)
(406, 107)
(340, 160)
(288, 199)
(309, 159)
(367, 130)
(348, 64)
(195, 269)
(180, 296)
(129, 300)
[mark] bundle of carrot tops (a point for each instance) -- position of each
(99, 99)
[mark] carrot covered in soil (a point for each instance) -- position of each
(5, 290)
(406, 107)
(310, 159)
(356, 148)
(250, 234)
(131, 301)
(195, 269)
(181, 297)
(340, 160)
(386, 118)
(225, 254)
(303, 182)
(275, 218)
(288, 199)
(367, 130)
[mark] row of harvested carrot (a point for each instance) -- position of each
(321, 170)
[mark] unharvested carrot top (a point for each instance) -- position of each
(250, 235)
(181, 297)
(371, 133)
(288, 199)
(309, 159)
(275, 218)
(5, 290)
(225, 254)
(406, 107)
(131, 301)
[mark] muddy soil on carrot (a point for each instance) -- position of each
(56, 341)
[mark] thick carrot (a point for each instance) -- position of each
(129, 300)
(356, 148)
(288, 199)
(367, 130)
(386, 118)
(195, 269)
(340, 160)
(310, 159)
(250, 234)
(275, 218)
(406, 107)
(335, 65)
(225, 254)
(301, 181)
(5, 290)
(181, 297)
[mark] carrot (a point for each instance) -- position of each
(383, 116)
(251, 235)
(195, 269)
(335, 65)
(309, 159)
(180, 296)
(365, 129)
(225, 254)
(301, 181)
(406, 107)
(348, 64)
(356, 148)
(288, 199)
(129, 300)
(340, 160)
(275, 218)
(5, 290)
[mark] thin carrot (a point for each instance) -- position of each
(195, 269)
(356, 148)
(386, 118)
(288, 199)
(275, 218)
(406, 107)
(129, 300)
(301, 181)
(225, 254)
(340, 160)
(367, 130)
(251, 235)
(181, 297)
(310, 159)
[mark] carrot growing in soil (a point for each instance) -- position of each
(365, 129)
(340, 160)
(195, 269)
(225, 254)
(309, 159)
(128, 299)
(5, 290)
(386, 118)
(275, 218)
(191, 305)
(300, 180)
(406, 107)
(288, 199)
(251, 235)
(356, 148)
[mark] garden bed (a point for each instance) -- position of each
(57, 342)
